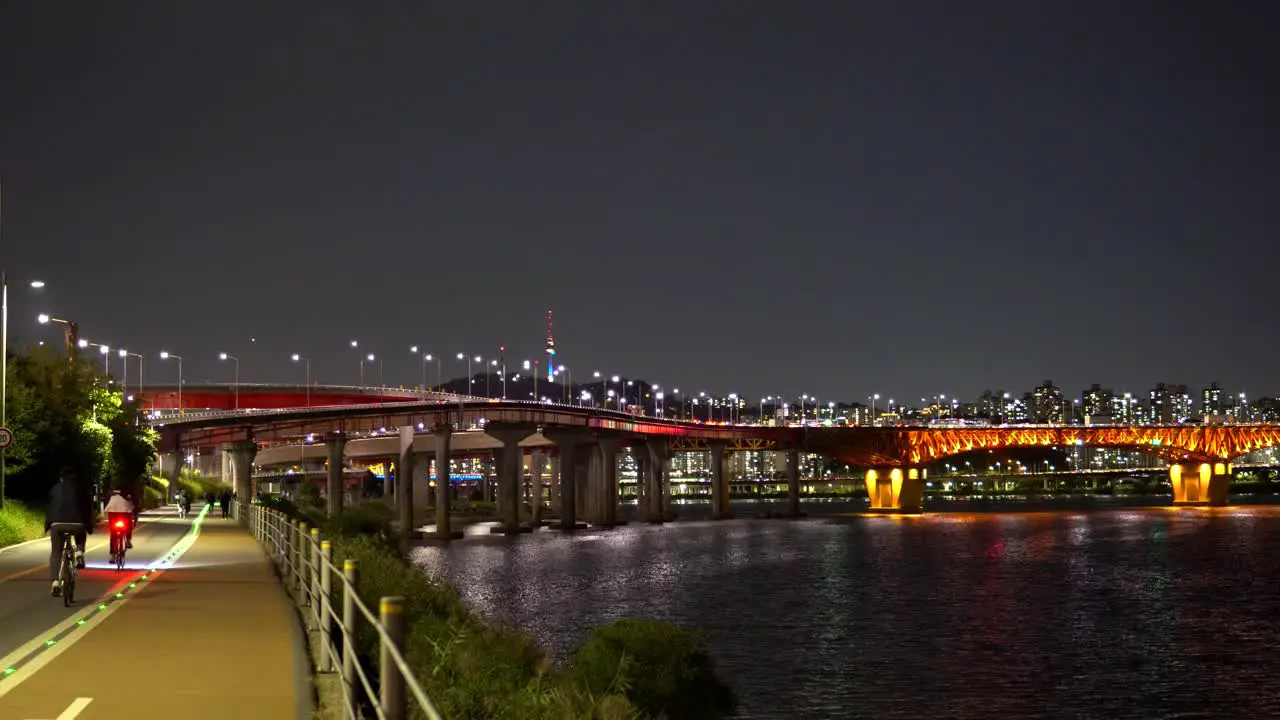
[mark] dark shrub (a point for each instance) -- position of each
(665, 669)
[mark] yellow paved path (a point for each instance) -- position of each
(213, 637)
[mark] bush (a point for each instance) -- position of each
(19, 523)
(665, 670)
(198, 486)
(473, 668)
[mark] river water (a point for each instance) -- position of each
(1093, 612)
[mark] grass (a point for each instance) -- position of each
(473, 668)
(19, 523)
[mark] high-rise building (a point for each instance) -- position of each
(1211, 401)
(1046, 403)
(1099, 406)
(1170, 404)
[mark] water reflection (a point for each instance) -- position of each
(1125, 613)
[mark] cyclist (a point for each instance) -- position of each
(119, 508)
(68, 504)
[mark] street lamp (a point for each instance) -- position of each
(71, 332)
(307, 364)
(235, 389)
(369, 357)
(535, 377)
(165, 355)
(102, 349)
(426, 358)
(4, 363)
(142, 361)
(468, 358)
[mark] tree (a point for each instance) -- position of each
(67, 414)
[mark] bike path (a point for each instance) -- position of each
(25, 604)
(213, 636)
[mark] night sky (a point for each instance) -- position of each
(833, 198)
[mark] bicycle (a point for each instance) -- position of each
(118, 545)
(67, 570)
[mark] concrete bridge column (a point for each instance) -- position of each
(793, 483)
(1200, 484)
(242, 454)
(658, 487)
(896, 489)
(556, 476)
(170, 467)
(589, 488)
(404, 484)
(608, 482)
(335, 444)
(719, 484)
(640, 453)
(537, 461)
(444, 483)
(510, 472)
(569, 443)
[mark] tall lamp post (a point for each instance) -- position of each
(307, 364)
(71, 332)
(235, 387)
(426, 358)
(165, 355)
(103, 350)
(4, 365)
(142, 365)
(464, 356)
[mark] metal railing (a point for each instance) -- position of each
(329, 601)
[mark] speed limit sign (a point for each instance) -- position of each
(6, 437)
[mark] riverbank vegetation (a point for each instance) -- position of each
(66, 413)
(20, 523)
(474, 668)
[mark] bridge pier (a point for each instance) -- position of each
(603, 482)
(510, 472)
(537, 462)
(335, 444)
(1200, 484)
(719, 485)
(171, 469)
(896, 490)
(569, 443)
(242, 454)
(658, 485)
(444, 483)
(404, 485)
(793, 484)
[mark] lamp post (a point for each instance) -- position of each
(235, 388)
(307, 364)
(71, 332)
(426, 358)
(535, 378)
(4, 364)
(102, 349)
(142, 364)
(165, 355)
(468, 358)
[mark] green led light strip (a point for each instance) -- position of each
(118, 591)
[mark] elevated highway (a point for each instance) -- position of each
(896, 458)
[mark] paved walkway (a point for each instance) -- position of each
(214, 636)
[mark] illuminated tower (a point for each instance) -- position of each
(551, 349)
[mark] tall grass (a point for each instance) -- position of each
(473, 668)
(19, 523)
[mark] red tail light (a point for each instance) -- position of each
(120, 523)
